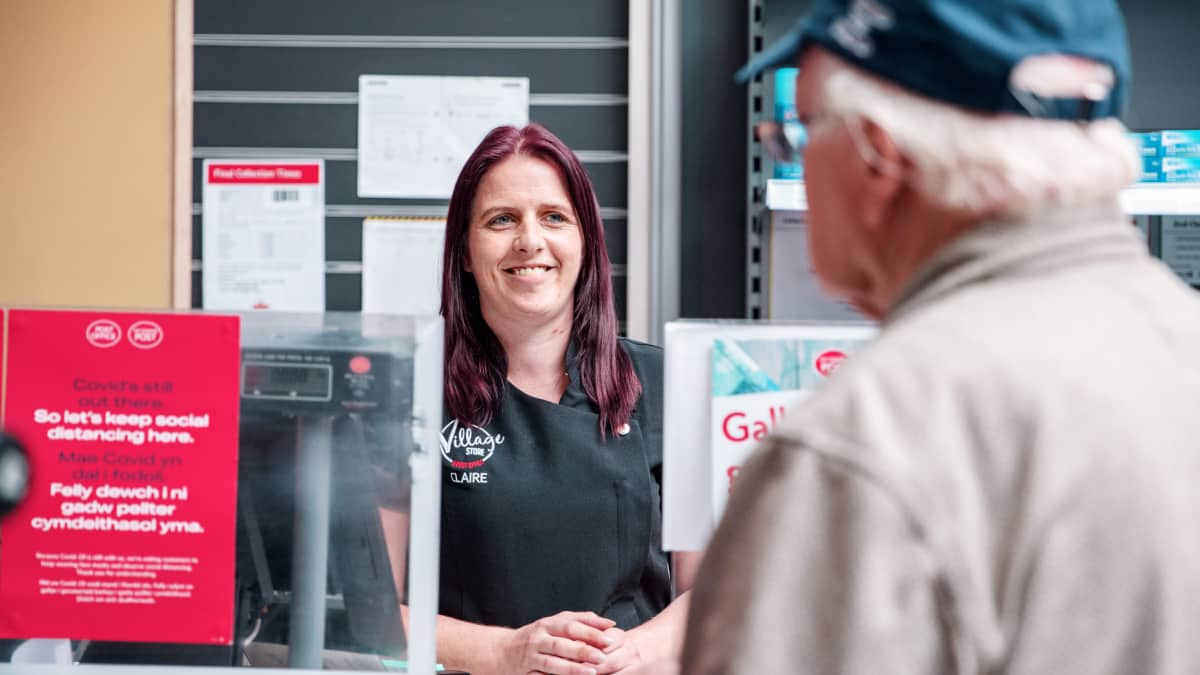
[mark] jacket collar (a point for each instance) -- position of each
(574, 396)
(1047, 240)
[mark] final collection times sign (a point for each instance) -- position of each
(128, 529)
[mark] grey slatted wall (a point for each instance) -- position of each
(279, 78)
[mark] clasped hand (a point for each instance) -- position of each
(569, 643)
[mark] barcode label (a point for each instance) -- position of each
(285, 195)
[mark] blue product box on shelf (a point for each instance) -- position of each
(785, 114)
(1149, 144)
(1151, 170)
(785, 94)
(1181, 170)
(798, 138)
(1181, 143)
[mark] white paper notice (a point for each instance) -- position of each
(415, 132)
(793, 292)
(1181, 246)
(264, 235)
(402, 263)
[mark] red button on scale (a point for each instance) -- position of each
(360, 365)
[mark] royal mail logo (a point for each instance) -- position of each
(468, 447)
(103, 333)
(145, 335)
(828, 361)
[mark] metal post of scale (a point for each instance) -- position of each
(310, 552)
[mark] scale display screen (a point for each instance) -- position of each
(287, 381)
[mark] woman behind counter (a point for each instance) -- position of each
(551, 556)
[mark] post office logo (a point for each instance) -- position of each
(103, 333)
(468, 447)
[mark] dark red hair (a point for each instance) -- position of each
(476, 366)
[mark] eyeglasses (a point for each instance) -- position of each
(782, 142)
(786, 142)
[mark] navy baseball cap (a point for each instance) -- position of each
(964, 52)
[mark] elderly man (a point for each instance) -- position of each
(1008, 479)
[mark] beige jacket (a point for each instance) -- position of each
(1006, 481)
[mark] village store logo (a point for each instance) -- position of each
(468, 447)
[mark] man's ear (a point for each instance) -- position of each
(885, 169)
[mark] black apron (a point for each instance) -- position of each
(540, 515)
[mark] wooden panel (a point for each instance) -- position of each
(86, 166)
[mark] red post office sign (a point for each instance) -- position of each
(128, 530)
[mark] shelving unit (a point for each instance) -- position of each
(1148, 199)
(786, 195)
(756, 236)
(1161, 199)
(1160, 41)
(1152, 204)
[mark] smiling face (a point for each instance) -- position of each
(524, 245)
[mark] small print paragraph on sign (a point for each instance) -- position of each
(115, 592)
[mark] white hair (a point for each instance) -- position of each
(1001, 164)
